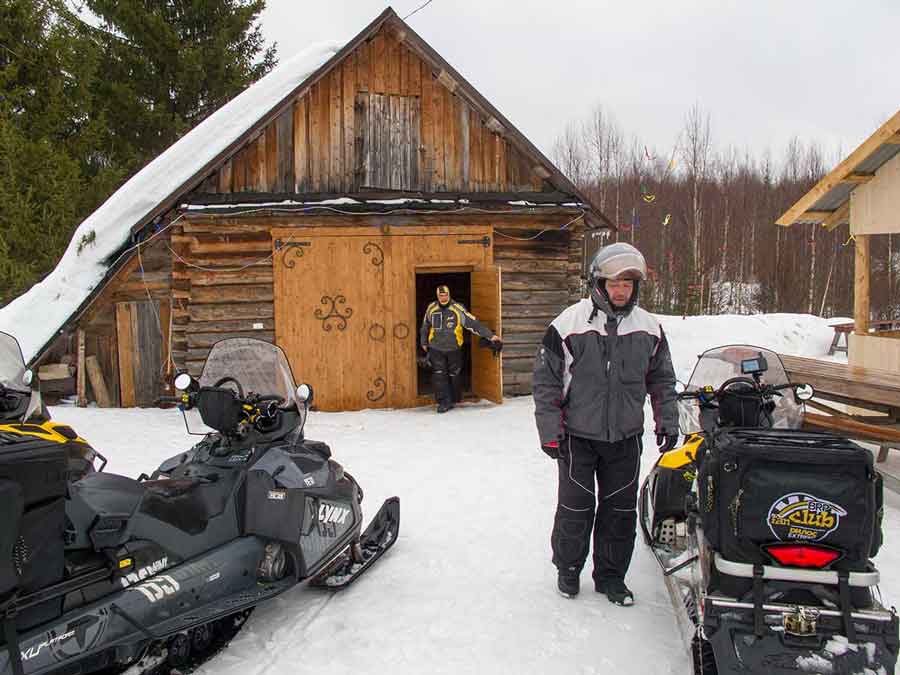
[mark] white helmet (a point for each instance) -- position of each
(618, 261)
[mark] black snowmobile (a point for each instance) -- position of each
(765, 533)
(107, 572)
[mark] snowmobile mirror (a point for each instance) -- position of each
(804, 392)
(680, 387)
(304, 394)
(184, 382)
(27, 377)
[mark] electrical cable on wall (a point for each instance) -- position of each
(549, 229)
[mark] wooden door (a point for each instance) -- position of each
(457, 248)
(487, 366)
(331, 315)
(140, 348)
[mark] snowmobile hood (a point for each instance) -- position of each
(678, 458)
(48, 431)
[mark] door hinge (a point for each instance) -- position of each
(484, 241)
(280, 243)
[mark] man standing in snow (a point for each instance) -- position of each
(441, 337)
(598, 361)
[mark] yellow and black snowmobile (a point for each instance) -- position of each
(25, 422)
(765, 533)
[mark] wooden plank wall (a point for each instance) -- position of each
(316, 145)
(130, 285)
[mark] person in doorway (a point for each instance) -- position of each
(441, 337)
(598, 361)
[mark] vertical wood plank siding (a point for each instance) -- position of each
(442, 143)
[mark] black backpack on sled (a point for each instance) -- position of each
(759, 487)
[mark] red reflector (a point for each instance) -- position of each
(802, 555)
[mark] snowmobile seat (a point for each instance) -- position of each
(317, 447)
(103, 503)
(186, 503)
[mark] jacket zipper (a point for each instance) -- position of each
(610, 341)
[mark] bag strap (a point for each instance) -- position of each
(758, 621)
(11, 636)
(846, 611)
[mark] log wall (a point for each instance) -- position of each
(233, 294)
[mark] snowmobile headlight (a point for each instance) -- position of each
(184, 382)
(305, 394)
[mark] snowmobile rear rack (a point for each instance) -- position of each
(771, 573)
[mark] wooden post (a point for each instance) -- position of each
(98, 383)
(81, 385)
(861, 285)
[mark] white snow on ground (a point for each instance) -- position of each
(108, 228)
(469, 587)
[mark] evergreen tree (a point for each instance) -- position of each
(51, 172)
(173, 63)
(82, 107)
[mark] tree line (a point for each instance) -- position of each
(704, 217)
(91, 93)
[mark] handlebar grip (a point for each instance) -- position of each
(170, 399)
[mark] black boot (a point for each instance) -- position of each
(616, 591)
(568, 583)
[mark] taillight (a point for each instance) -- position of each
(802, 555)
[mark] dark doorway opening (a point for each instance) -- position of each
(460, 284)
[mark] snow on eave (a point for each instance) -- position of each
(36, 316)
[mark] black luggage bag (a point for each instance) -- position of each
(32, 508)
(763, 486)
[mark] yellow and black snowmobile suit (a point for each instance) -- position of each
(442, 326)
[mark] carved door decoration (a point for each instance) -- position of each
(331, 317)
(345, 308)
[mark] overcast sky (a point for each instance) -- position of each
(765, 70)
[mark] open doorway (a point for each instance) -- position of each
(460, 284)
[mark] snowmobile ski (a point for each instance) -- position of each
(377, 538)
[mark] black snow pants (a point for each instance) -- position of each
(616, 467)
(446, 376)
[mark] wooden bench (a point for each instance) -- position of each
(875, 393)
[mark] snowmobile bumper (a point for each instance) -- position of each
(797, 575)
(781, 644)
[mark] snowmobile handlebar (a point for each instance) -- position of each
(708, 394)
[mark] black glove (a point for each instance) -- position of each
(551, 449)
(666, 441)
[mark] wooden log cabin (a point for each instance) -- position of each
(326, 225)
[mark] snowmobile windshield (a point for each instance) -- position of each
(717, 365)
(260, 368)
(12, 364)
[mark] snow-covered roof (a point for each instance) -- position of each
(35, 316)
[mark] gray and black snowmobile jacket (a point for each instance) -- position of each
(442, 327)
(594, 370)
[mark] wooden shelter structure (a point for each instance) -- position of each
(326, 226)
(863, 191)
